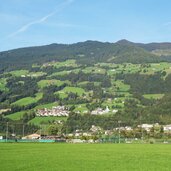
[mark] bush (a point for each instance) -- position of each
(151, 140)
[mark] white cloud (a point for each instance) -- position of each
(41, 20)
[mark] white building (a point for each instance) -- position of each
(100, 111)
(146, 127)
(167, 128)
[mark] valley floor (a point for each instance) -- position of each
(85, 157)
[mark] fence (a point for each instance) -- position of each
(31, 141)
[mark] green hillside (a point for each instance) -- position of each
(84, 53)
(127, 78)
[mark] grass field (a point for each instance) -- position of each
(36, 74)
(19, 73)
(28, 100)
(16, 116)
(46, 120)
(46, 83)
(153, 96)
(85, 157)
(77, 90)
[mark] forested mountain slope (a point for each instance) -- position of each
(84, 52)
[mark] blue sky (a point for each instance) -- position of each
(38, 22)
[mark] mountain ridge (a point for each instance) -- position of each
(122, 51)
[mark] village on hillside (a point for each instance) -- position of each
(55, 111)
(63, 111)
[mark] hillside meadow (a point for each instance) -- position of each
(85, 157)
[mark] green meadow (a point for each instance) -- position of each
(28, 100)
(84, 157)
(77, 90)
(17, 115)
(46, 83)
(46, 120)
(19, 73)
(153, 96)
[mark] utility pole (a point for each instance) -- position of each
(119, 132)
(23, 130)
(141, 128)
(7, 132)
(40, 131)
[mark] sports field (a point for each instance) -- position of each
(85, 157)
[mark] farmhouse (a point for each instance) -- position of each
(95, 128)
(167, 128)
(146, 127)
(55, 111)
(100, 111)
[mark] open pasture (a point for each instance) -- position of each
(85, 157)
(46, 120)
(46, 83)
(153, 96)
(28, 100)
(17, 115)
(19, 73)
(77, 90)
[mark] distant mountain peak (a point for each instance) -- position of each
(124, 42)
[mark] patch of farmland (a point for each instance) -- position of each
(48, 106)
(77, 90)
(46, 120)
(19, 73)
(153, 96)
(16, 116)
(28, 100)
(46, 83)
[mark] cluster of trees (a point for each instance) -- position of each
(147, 84)
(104, 79)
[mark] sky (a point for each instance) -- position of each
(26, 23)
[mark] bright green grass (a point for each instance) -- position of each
(46, 83)
(3, 84)
(28, 100)
(25, 101)
(61, 94)
(36, 74)
(16, 116)
(66, 63)
(153, 96)
(84, 157)
(19, 73)
(46, 120)
(122, 87)
(77, 90)
(157, 67)
(116, 103)
(81, 108)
